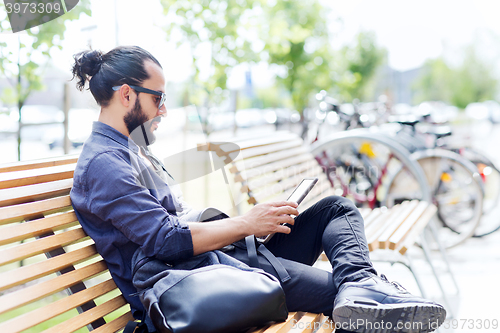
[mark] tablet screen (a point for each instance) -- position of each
(297, 196)
(300, 191)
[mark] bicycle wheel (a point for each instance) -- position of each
(456, 190)
(490, 175)
(349, 173)
(381, 156)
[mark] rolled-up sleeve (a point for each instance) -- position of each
(116, 196)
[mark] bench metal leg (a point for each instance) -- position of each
(425, 248)
(442, 250)
(417, 279)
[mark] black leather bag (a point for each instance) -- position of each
(208, 293)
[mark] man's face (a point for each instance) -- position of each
(145, 110)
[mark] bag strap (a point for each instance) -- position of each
(137, 326)
(282, 273)
(252, 250)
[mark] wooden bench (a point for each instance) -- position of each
(44, 251)
(51, 277)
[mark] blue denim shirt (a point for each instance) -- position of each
(123, 205)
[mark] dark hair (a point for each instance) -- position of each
(121, 65)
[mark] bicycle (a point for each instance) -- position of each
(487, 170)
(463, 188)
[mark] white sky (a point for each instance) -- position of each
(412, 31)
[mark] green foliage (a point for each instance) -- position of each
(296, 38)
(292, 35)
(359, 63)
(473, 81)
(24, 68)
(272, 97)
(214, 27)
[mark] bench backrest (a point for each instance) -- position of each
(271, 166)
(51, 276)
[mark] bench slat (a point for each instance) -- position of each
(394, 223)
(258, 151)
(308, 321)
(276, 166)
(285, 187)
(26, 211)
(38, 227)
(385, 220)
(41, 245)
(36, 176)
(34, 271)
(365, 212)
(308, 202)
(400, 230)
(381, 215)
(36, 192)
(224, 149)
(251, 163)
(405, 228)
(377, 226)
(115, 324)
(37, 164)
(265, 195)
(88, 317)
(35, 292)
(417, 229)
(56, 308)
(327, 327)
(372, 217)
(311, 169)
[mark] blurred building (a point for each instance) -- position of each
(52, 94)
(397, 84)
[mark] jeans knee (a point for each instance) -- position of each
(337, 200)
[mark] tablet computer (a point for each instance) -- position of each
(298, 195)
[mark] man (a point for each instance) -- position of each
(123, 201)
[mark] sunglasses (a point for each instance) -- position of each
(163, 96)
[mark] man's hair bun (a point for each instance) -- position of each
(87, 64)
(121, 65)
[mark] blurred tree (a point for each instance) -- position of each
(359, 64)
(434, 82)
(23, 65)
(291, 36)
(214, 32)
(472, 81)
(296, 38)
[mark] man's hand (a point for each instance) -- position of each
(267, 218)
(261, 220)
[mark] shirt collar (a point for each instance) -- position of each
(113, 134)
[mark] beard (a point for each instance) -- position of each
(139, 126)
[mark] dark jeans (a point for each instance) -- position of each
(333, 225)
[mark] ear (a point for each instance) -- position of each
(126, 95)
